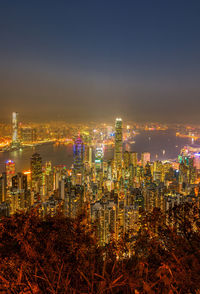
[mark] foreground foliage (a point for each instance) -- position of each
(61, 255)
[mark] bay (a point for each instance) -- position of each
(147, 141)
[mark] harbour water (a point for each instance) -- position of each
(161, 144)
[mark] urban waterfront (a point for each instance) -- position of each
(154, 142)
(100, 147)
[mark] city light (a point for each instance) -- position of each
(100, 147)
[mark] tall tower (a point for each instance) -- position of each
(145, 158)
(3, 187)
(36, 171)
(118, 143)
(78, 153)
(10, 171)
(15, 138)
(20, 182)
(99, 157)
(90, 156)
(134, 158)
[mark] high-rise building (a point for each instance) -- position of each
(197, 160)
(15, 135)
(145, 158)
(158, 171)
(147, 174)
(118, 143)
(126, 159)
(36, 171)
(134, 158)
(90, 156)
(3, 187)
(78, 153)
(10, 171)
(99, 152)
(47, 179)
(99, 157)
(60, 172)
(27, 173)
(19, 182)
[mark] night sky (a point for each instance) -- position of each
(97, 60)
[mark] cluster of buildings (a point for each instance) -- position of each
(31, 134)
(114, 191)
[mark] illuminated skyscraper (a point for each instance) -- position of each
(60, 172)
(126, 159)
(78, 152)
(133, 158)
(10, 171)
(118, 143)
(15, 138)
(19, 182)
(145, 158)
(90, 156)
(197, 160)
(88, 152)
(99, 157)
(47, 180)
(3, 187)
(36, 171)
(147, 174)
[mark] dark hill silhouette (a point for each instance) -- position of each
(61, 255)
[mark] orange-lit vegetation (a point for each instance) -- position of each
(61, 255)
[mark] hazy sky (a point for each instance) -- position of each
(86, 60)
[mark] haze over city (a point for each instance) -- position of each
(95, 60)
(99, 146)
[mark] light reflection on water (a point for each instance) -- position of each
(63, 154)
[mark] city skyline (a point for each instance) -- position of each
(92, 61)
(99, 146)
